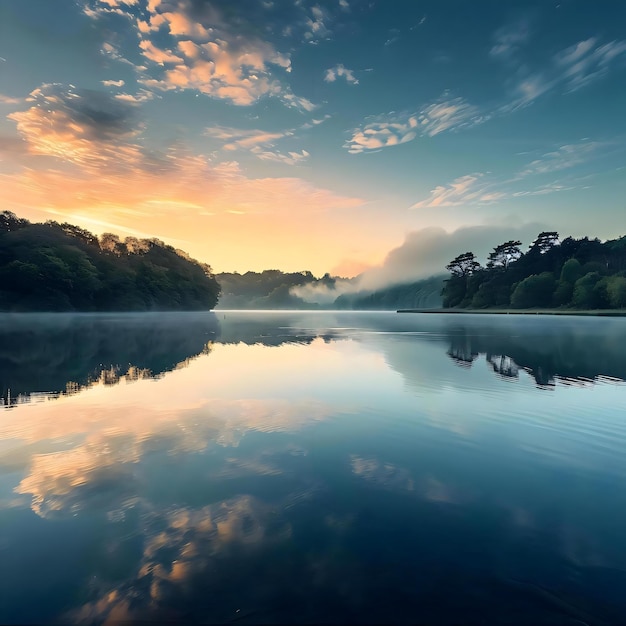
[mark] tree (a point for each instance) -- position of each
(463, 265)
(571, 271)
(52, 266)
(9, 221)
(534, 291)
(111, 243)
(545, 241)
(586, 296)
(616, 291)
(504, 254)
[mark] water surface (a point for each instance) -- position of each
(312, 467)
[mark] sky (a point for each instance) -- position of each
(322, 135)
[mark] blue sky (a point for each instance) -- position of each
(315, 134)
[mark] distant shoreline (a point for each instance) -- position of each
(587, 313)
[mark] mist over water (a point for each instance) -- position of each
(423, 253)
(312, 467)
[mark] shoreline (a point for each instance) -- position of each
(585, 313)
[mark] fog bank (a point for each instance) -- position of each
(424, 253)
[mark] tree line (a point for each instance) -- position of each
(552, 273)
(61, 267)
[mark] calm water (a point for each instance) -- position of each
(312, 467)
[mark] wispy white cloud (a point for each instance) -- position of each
(508, 40)
(315, 122)
(143, 95)
(586, 62)
(446, 114)
(258, 142)
(564, 157)
(567, 71)
(113, 83)
(297, 102)
(245, 139)
(480, 189)
(289, 158)
(542, 190)
(526, 91)
(463, 190)
(316, 25)
(339, 71)
(393, 35)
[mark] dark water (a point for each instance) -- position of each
(312, 467)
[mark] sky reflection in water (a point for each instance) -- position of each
(278, 467)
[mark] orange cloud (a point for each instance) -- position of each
(150, 51)
(82, 160)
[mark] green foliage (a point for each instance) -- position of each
(270, 289)
(616, 291)
(505, 254)
(273, 289)
(588, 291)
(563, 293)
(454, 291)
(534, 291)
(589, 272)
(463, 265)
(62, 267)
(572, 270)
(421, 294)
(545, 241)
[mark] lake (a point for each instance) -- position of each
(282, 467)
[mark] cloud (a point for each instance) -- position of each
(290, 158)
(509, 40)
(239, 55)
(542, 190)
(463, 190)
(568, 70)
(88, 128)
(564, 157)
(446, 114)
(585, 62)
(10, 100)
(117, 3)
(339, 71)
(237, 138)
(298, 102)
(257, 142)
(112, 52)
(113, 83)
(208, 48)
(99, 170)
(426, 252)
(151, 52)
(316, 25)
(478, 189)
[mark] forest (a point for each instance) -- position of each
(270, 289)
(61, 267)
(273, 289)
(552, 273)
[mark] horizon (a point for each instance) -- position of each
(335, 136)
